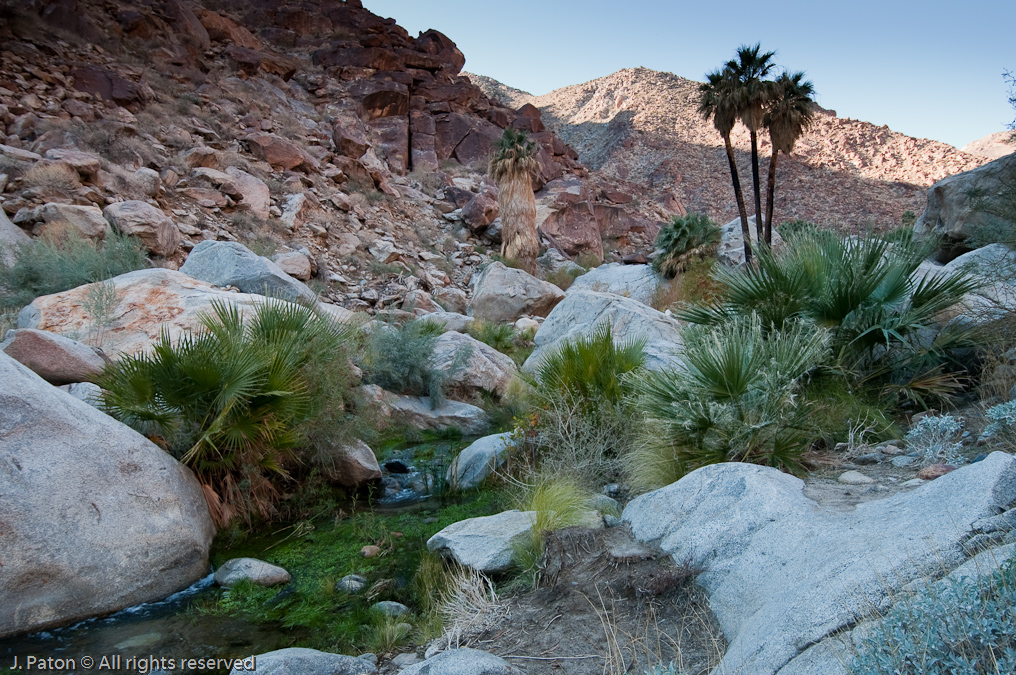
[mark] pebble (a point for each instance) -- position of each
(370, 551)
(351, 583)
(854, 478)
(913, 482)
(873, 458)
(405, 660)
(903, 460)
(934, 471)
(390, 608)
(611, 521)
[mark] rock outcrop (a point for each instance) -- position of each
(54, 358)
(485, 544)
(504, 294)
(637, 282)
(225, 263)
(784, 573)
(308, 662)
(95, 516)
(478, 460)
(470, 366)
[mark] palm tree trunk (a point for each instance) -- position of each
(755, 184)
(741, 209)
(770, 190)
(517, 206)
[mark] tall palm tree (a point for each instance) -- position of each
(717, 102)
(790, 113)
(752, 94)
(512, 167)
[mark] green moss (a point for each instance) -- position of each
(319, 554)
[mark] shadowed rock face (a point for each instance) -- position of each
(94, 517)
(784, 573)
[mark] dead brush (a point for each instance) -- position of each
(469, 605)
(56, 176)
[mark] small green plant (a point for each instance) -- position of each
(592, 367)
(398, 358)
(43, 267)
(500, 336)
(102, 300)
(230, 402)
(736, 398)
(794, 228)
(1002, 425)
(953, 627)
(689, 237)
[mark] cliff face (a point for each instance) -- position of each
(642, 126)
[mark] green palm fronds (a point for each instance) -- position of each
(514, 155)
(684, 239)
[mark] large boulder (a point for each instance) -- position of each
(353, 464)
(462, 661)
(60, 221)
(470, 366)
(281, 153)
(994, 266)
(637, 282)
(255, 193)
(976, 204)
(95, 516)
(472, 466)
(148, 302)
(158, 234)
(784, 573)
(418, 413)
(485, 544)
(582, 312)
(504, 294)
(308, 662)
(227, 263)
(731, 249)
(54, 358)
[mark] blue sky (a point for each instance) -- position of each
(928, 69)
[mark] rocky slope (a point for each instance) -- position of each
(992, 146)
(314, 132)
(641, 126)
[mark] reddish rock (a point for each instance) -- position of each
(934, 471)
(205, 196)
(614, 222)
(549, 169)
(528, 119)
(421, 123)
(110, 86)
(564, 190)
(350, 137)
(252, 61)
(187, 25)
(360, 57)
(256, 195)
(574, 228)
(158, 234)
(616, 197)
(462, 94)
(439, 45)
(480, 212)
(499, 117)
(458, 196)
(54, 358)
(450, 129)
(389, 137)
(79, 109)
(672, 204)
(422, 155)
(224, 29)
(279, 152)
(478, 145)
(384, 99)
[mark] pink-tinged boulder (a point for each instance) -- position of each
(440, 46)
(54, 358)
(296, 264)
(528, 118)
(224, 29)
(574, 228)
(187, 25)
(111, 86)
(349, 136)
(95, 517)
(158, 234)
(148, 301)
(279, 152)
(389, 137)
(352, 465)
(253, 190)
(201, 156)
(86, 164)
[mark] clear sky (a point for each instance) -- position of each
(928, 69)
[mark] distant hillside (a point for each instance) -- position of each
(641, 126)
(992, 146)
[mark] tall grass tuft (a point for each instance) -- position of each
(230, 402)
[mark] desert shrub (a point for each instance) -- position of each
(694, 285)
(684, 239)
(845, 414)
(582, 394)
(865, 292)
(934, 436)
(736, 398)
(43, 267)
(397, 358)
(500, 336)
(231, 401)
(954, 627)
(564, 277)
(794, 228)
(56, 176)
(1001, 427)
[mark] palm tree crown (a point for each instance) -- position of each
(514, 156)
(790, 112)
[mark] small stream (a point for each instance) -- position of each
(175, 628)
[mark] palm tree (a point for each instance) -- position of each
(790, 114)
(512, 167)
(716, 102)
(752, 94)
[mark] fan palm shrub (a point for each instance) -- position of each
(717, 102)
(512, 167)
(787, 117)
(736, 398)
(684, 239)
(582, 394)
(881, 315)
(231, 402)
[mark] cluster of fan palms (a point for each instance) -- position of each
(781, 106)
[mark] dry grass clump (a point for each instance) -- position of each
(56, 176)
